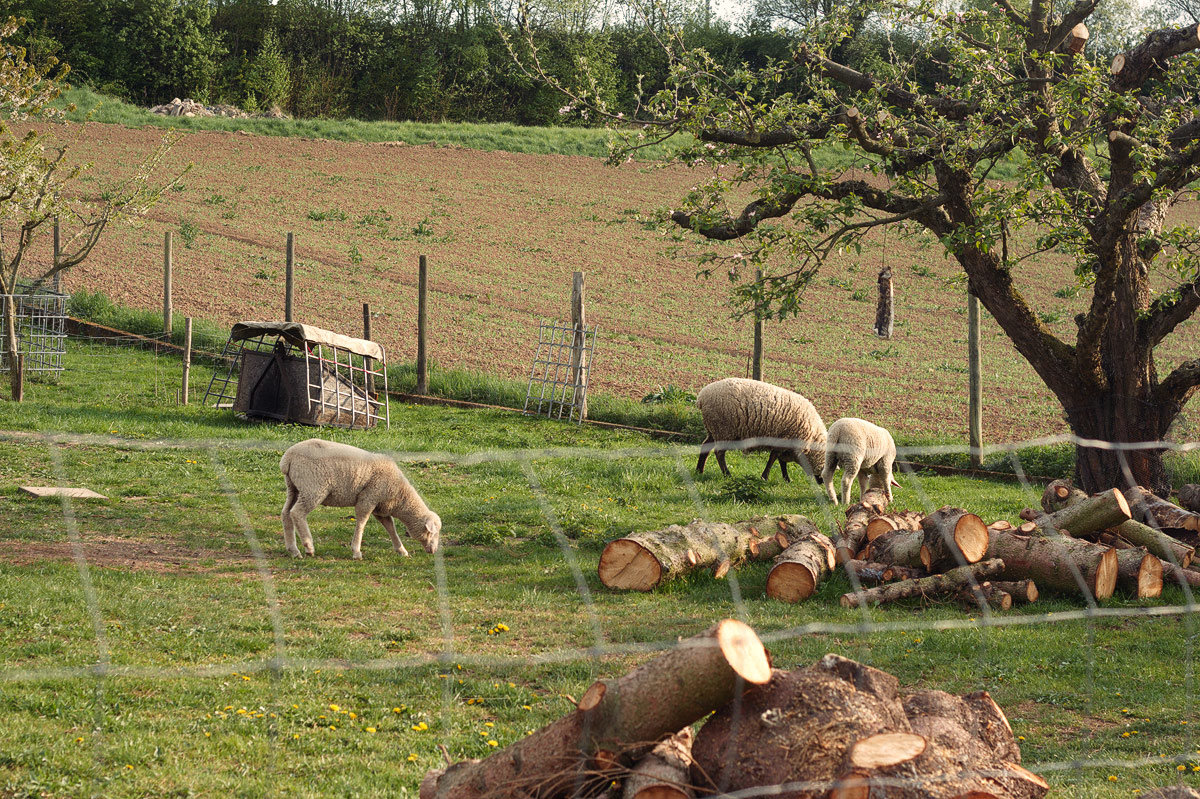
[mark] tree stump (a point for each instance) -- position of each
(644, 561)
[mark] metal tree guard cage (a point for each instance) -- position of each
(41, 330)
(558, 379)
(293, 372)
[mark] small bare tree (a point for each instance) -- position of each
(36, 177)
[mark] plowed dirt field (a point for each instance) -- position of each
(503, 233)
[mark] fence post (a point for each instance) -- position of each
(287, 279)
(975, 387)
(370, 379)
(756, 368)
(167, 284)
(422, 331)
(578, 356)
(57, 284)
(187, 358)
(18, 377)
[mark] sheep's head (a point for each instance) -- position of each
(428, 531)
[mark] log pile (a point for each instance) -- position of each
(836, 728)
(1086, 546)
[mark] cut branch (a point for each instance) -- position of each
(947, 583)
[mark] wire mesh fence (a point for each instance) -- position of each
(230, 620)
(40, 328)
(558, 378)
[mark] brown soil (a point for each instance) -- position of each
(154, 556)
(504, 232)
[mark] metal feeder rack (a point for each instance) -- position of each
(291, 372)
(41, 330)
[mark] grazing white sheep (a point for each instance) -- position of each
(862, 450)
(735, 409)
(321, 472)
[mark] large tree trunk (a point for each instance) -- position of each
(614, 722)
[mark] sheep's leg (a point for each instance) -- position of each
(864, 482)
(362, 514)
(766, 475)
(705, 448)
(849, 472)
(720, 453)
(827, 480)
(289, 530)
(783, 470)
(390, 526)
(299, 515)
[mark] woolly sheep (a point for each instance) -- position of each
(735, 409)
(862, 450)
(321, 472)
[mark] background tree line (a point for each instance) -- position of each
(424, 60)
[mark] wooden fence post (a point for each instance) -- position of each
(370, 380)
(422, 331)
(756, 366)
(975, 382)
(578, 356)
(167, 285)
(57, 284)
(187, 358)
(287, 279)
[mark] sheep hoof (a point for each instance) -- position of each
(356, 555)
(295, 553)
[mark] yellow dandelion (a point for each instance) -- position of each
(333, 726)
(370, 729)
(395, 710)
(527, 707)
(353, 716)
(296, 735)
(512, 685)
(1124, 735)
(1020, 737)
(488, 724)
(1112, 777)
(1181, 767)
(334, 708)
(412, 758)
(228, 707)
(129, 767)
(207, 734)
(493, 743)
(295, 707)
(502, 627)
(244, 677)
(242, 711)
(79, 740)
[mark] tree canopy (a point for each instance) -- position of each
(1104, 149)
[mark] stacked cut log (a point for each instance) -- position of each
(841, 729)
(1152, 510)
(644, 561)
(607, 733)
(1060, 494)
(1066, 564)
(854, 534)
(952, 537)
(665, 773)
(800, 568)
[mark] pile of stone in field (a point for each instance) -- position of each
(192, 108)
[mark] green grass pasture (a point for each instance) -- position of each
(159, 642)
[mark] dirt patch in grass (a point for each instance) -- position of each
(118, 553)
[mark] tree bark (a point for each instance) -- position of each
(883, 310)
(1174, 575)
(854, 533)
(1060, 563)
(1059, 494)
(1139, 574)
(800, 568)
(952, 537)
(949, 582)
(1189, 497)
(886, 522)
(1157, 512)
(1023, 592)
(899, 548)
(613, 721)
(875, 573)
(644, 561)
(1087, 515)
(665, 773)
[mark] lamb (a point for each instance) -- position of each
(321, 472)
(862, 450)
(735, 409)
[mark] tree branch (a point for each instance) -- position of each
(1148, 61)
(901, 98)
(1173, 309)
(752, 215)
(1179, 386)
(1077, 14)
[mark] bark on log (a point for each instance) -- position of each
(952, 537)
(899, 548)
(872, 573)
(1097, 512)
(1174, 575)
(1115, 541)
(1157, 512)
(1189, 497)
(853, 535)
(1022, 591)
(643, 561)
(973, 597)
(1139, 574)
(887, 522)
(1059, 494)
(613, 720)
(800, 568)
(1055, 562)
(1147, 61)
(1155, 541)
(665, 773)
(946, 583)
